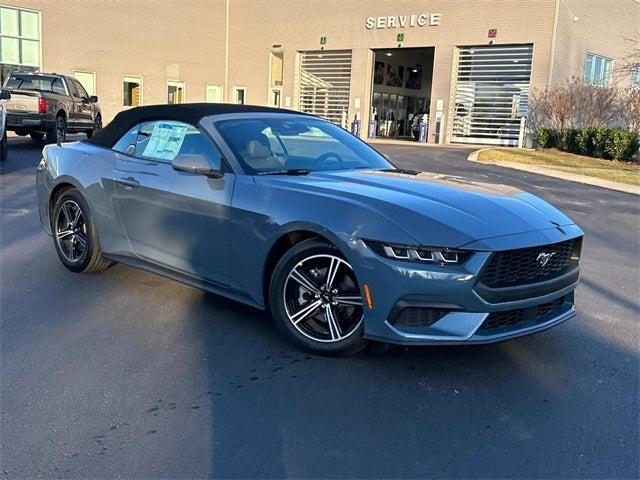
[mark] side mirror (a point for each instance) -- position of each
(195, 163)
(5, 95)
(93, 99)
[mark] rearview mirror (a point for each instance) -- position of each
(5, 95)
(93, 99)
(195, 163)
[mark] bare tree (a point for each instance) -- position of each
(630, 62)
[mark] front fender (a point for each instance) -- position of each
(262, 214)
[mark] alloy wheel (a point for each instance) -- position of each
(61, 129)
(71, 231)
(322, 299)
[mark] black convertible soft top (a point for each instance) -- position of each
(190, 113)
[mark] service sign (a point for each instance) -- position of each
(404, 21)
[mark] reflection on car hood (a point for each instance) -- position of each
(436, 209)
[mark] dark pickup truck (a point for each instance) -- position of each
(48, 106)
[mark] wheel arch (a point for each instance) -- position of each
(60, 187)
(285, 241)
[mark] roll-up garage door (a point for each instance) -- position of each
(324, 78)
(492, 93)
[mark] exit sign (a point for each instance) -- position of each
(400, 37)
(323, 40)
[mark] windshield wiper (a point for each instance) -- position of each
(288, 171)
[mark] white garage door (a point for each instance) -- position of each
(323, 84)
(492, 92)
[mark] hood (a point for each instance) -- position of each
(434, 209)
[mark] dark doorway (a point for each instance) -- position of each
(401, 93)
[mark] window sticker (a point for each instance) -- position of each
(166, 140)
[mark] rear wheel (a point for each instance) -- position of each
(75, 235)
(59, 131)
(3, 147)
(315, 299)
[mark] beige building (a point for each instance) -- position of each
(465, 66)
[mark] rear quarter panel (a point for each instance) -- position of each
(91, 170)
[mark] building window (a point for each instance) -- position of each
(131, 91)
(635, 78)
(239, 95)
(597, 70)
(175, 92)
(19, 41)
(87, 80)
(214, 94)
(277, 69)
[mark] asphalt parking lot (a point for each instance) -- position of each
(126, 374)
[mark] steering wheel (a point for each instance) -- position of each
(329, 157)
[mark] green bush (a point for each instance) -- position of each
(584, 141)
(546, 137)
(601, 142)
(569, 140)
(620, 144)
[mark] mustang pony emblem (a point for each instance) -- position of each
(544, 258)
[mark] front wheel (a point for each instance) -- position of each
(75, 235)
(316, 301)
(97, 126)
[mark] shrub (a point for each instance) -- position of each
(569, 140)
(545, 137)
(601, 142)
(620, 144)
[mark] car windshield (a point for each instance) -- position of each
(36, 83)
(268, 145)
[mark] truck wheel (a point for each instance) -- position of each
(59, 132)
(3, 147)
(97, 126)
(37, 137)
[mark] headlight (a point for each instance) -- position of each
(433, 255)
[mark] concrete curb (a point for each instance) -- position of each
(549, 172)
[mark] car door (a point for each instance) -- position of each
(174, 219)
(82, 110)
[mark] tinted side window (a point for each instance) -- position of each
(163, 140)
(58, 87)
(82, 93)
(127, 143)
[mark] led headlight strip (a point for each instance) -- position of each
(441, 256)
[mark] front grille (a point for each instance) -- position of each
(419, 316)
(522, 317)
(523, 266)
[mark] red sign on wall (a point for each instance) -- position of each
(493, 33)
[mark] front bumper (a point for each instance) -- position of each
(465, 316)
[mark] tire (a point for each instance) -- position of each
(37, 137)
(321, 317)
(97, 127)
(4, 148)
(69, 246)
(59, 131)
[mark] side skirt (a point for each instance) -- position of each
(187, 279)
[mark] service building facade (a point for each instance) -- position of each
(467, 67)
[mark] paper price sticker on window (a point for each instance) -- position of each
(165, 141)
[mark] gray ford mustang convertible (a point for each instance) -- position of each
(287, 212)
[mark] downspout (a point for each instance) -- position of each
(553, 42)
(226, 53)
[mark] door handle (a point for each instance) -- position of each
(128, 182)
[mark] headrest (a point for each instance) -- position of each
(255, 149)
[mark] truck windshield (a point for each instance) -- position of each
(36, 83)
(270, 145)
